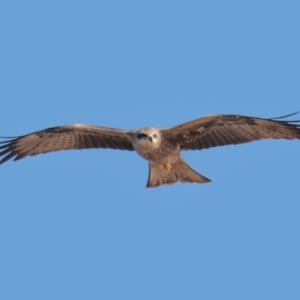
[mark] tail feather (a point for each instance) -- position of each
(180, 171)
(158, 176)
(187, 175)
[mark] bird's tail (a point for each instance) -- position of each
(170, 174)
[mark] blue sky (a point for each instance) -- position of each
(81, 224)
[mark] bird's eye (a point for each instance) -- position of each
(155, 135)
(141, 136)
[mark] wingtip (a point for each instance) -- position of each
(286, 116)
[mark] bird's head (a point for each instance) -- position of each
(147, 134)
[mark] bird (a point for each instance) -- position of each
(160, 147)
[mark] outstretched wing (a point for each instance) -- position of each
(219, 130)
(75, 136)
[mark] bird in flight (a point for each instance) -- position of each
(160, 147)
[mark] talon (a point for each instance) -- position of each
(166, 167)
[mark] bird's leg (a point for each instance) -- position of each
(166, 167)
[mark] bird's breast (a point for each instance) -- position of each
(161, 154)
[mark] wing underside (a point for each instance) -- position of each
(220, 130)
(76, 136)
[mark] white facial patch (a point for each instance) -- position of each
(147, 135)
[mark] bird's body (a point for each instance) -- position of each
(160, 147)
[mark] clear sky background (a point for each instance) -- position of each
(81, 224)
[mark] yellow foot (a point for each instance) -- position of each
(167, 166)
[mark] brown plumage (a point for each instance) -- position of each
(75, 136)
(180, 171)
(221, 130)
(161, 147)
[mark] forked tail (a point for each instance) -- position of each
(178, 171)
